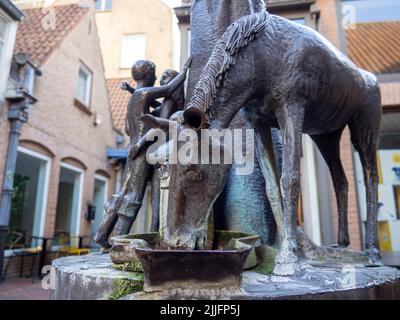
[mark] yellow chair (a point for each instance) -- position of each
(67, 250)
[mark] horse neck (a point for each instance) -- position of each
(226, 105)
(210, 19)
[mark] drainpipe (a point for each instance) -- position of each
(23, 72)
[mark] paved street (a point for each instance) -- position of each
(23, 289)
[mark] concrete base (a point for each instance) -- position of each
(92, 277)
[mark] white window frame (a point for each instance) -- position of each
(309, 190)
(43, 213)
(106, 181)
(88, 91)
(6, 54)
(81, 173)
(122, 64)
(42, 157)
(103, 6)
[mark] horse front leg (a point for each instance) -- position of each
(290, 118)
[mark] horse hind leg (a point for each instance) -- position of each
(329, 146)
(364, 130)
(265, 150)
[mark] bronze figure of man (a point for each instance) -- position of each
(122, 209)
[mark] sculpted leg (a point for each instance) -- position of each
(364, 136)
(127, 214)
(155, 201)
(112, 208)
(107, 226)
(132, 201)
(290, 119)
(264, 148)
(329, 146)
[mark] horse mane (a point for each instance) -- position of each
(224, 55)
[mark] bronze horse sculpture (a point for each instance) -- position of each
(304, 85)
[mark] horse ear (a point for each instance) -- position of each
(194, 117)
(156, 122)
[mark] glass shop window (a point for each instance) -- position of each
(103, 5)
(133, 49)
(84, 85)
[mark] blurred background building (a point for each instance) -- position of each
(70, 153)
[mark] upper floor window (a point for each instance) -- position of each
(133, 49)
(3, 32)
(6, 47)
(84, 85)
(299, 21)
(103, 5)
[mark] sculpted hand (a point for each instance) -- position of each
(124, 86)
(187, 64)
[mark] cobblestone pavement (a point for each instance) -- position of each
(23, 289)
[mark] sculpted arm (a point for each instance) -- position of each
(167, 90)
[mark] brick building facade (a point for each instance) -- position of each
(62, 154)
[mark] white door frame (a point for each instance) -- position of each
(311, 214)
(40, 156)
(81, 172)
(105, 180)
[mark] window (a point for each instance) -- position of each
(299, 21)
(6, 39)
(69, 204)
(133, 49)
(3, 32)
(103, 5)
(84, 85)
(29, 203)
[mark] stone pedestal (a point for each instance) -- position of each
(92, 277)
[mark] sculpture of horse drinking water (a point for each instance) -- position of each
(304, 85)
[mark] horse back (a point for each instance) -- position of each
(309, 71)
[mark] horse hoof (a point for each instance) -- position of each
(105, 250)
(374, 258)
(343, 245)
(286, 269)
(105, 245)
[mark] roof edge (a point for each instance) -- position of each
(12, 10)
(86, 11)
(295, 4)
(183, 12)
